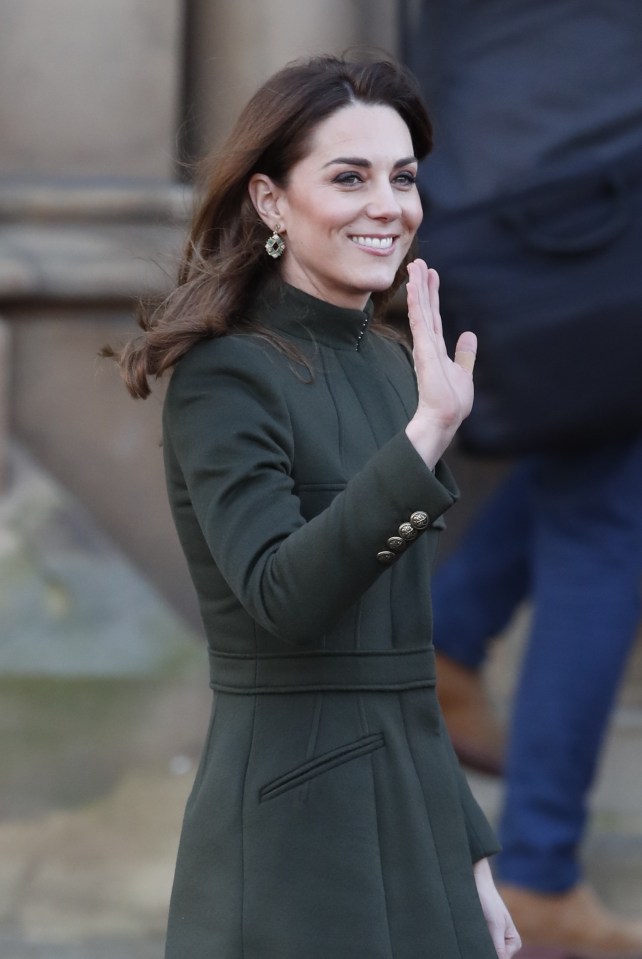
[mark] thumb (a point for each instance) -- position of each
(466, 351)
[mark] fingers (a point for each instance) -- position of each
(466, 352)
(433, 298)
(426, 325)
(505, 937)
(512, 940)
(419, 312)
(417, 291)
(424, 284)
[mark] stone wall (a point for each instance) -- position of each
(92, 218)
(90, 86)
(70, 276)
(234, 45)
(100, 102)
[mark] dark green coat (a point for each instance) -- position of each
(329, 818)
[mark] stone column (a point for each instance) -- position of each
(91, 218)
(234, 45)
(90, 87)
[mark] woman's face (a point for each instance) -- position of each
(351, 208)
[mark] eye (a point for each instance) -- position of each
(349, 178)
(405, 179)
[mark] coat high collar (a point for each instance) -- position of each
(289, 310)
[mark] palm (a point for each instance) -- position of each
(445, 385)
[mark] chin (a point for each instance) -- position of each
(379, 283)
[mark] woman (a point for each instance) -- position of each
(328, 816)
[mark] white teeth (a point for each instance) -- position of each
(375, 242)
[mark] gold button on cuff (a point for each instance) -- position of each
(396, 544)
(419, 519)
(386, 557)
(407, 531)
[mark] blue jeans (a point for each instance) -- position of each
(566, 532)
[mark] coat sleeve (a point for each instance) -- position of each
(227, 426)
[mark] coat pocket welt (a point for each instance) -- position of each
(321, 764)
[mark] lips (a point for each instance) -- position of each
(374, 242)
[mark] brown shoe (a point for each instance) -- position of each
(575, 923)
(474, 730)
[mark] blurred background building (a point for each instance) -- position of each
(104, 106)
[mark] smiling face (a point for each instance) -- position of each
(350, 207)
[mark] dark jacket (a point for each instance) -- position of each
(328, 816)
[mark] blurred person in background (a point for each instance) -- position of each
(519, 89)
(329, 816)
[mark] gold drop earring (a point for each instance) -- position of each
(275, 244)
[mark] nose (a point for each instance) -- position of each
(383, 202)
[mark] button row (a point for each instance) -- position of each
(407, 532)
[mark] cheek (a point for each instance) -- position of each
(309, 231)
(415, 215)
(308, 213)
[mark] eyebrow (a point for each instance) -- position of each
(361, 162)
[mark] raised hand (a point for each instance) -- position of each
(445, 384)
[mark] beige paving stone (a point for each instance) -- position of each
(101, 869)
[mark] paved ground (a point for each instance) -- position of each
(102, 711)
(103, 703)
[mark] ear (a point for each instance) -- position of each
(265, 196)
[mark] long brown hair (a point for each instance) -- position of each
(224, 262)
